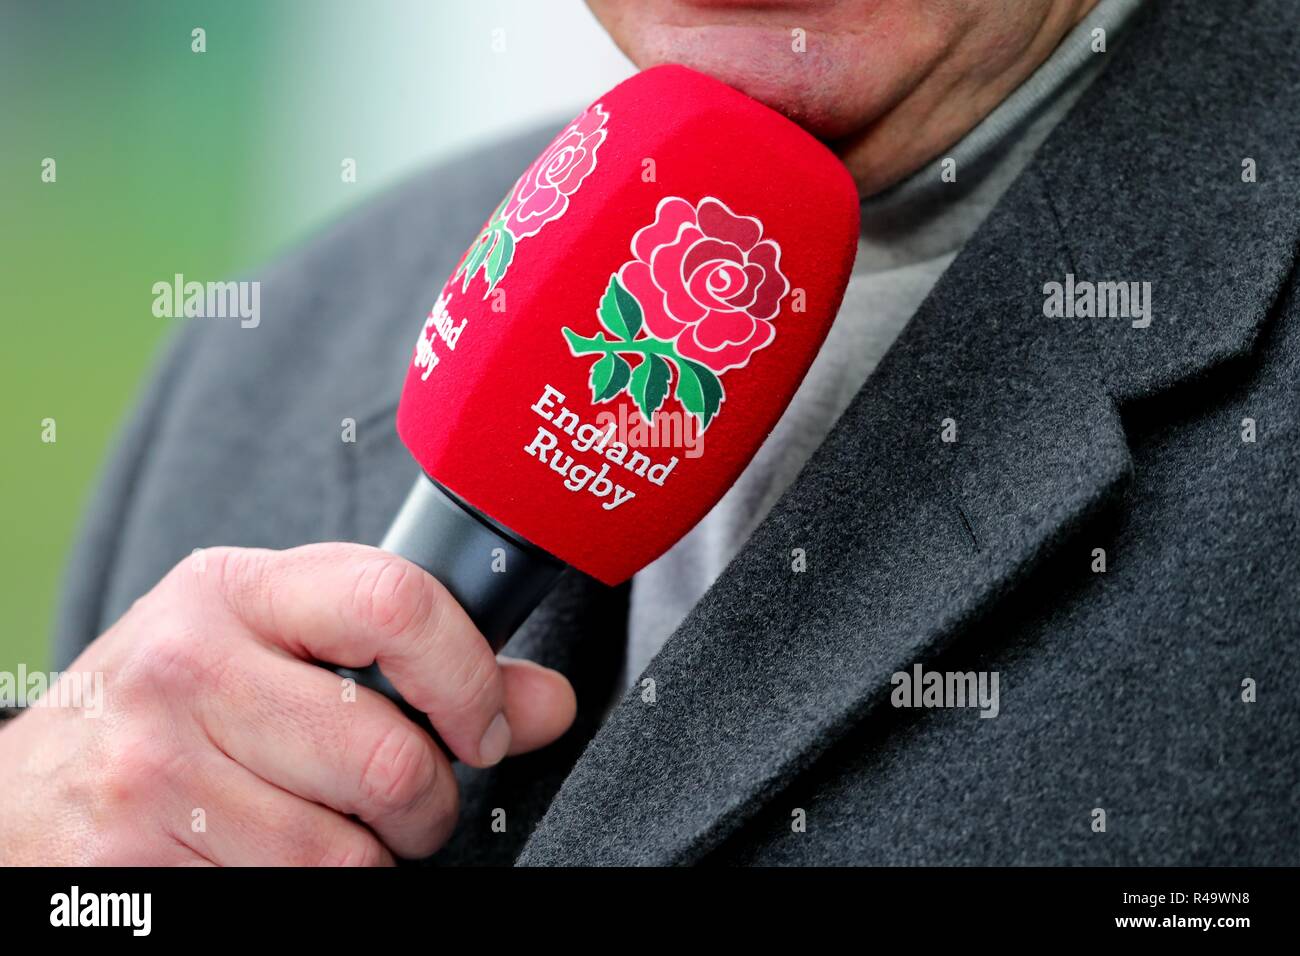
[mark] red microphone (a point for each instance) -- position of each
(617, 341)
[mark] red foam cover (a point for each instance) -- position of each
(670, 267)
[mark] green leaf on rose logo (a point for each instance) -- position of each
(503, 250)
(649, 382)
(609, 376)
(473, 259)
(649, 385)
(699, 391)
(492, 251)
(619, 312)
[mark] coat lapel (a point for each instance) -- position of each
(909, 539)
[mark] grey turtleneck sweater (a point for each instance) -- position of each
(910, 234)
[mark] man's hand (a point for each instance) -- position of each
(220, 742)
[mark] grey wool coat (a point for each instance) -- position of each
(1127, 690)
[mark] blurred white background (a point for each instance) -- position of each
(396, 84)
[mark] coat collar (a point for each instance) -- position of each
(910, 540)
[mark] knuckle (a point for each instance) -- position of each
(442, 822)
(398, 773)
(174, 659)
(139, 767)
(394, 596)
(352, 850)
(239, 575)
(474, 683)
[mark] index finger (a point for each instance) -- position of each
(354, 605)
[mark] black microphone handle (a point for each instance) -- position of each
(496, 576)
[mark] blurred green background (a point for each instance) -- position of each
(168, 161)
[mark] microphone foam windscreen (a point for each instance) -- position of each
(632, 320)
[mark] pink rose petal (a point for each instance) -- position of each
(669, 217)
(635, 277)
(718, 221)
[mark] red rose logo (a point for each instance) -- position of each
(543, 192)
(708, 279)
(540, 195)
(698, 299)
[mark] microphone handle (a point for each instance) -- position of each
(496, 576)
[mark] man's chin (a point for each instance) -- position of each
(809, 86)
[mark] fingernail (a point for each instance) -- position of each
(495, 742)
